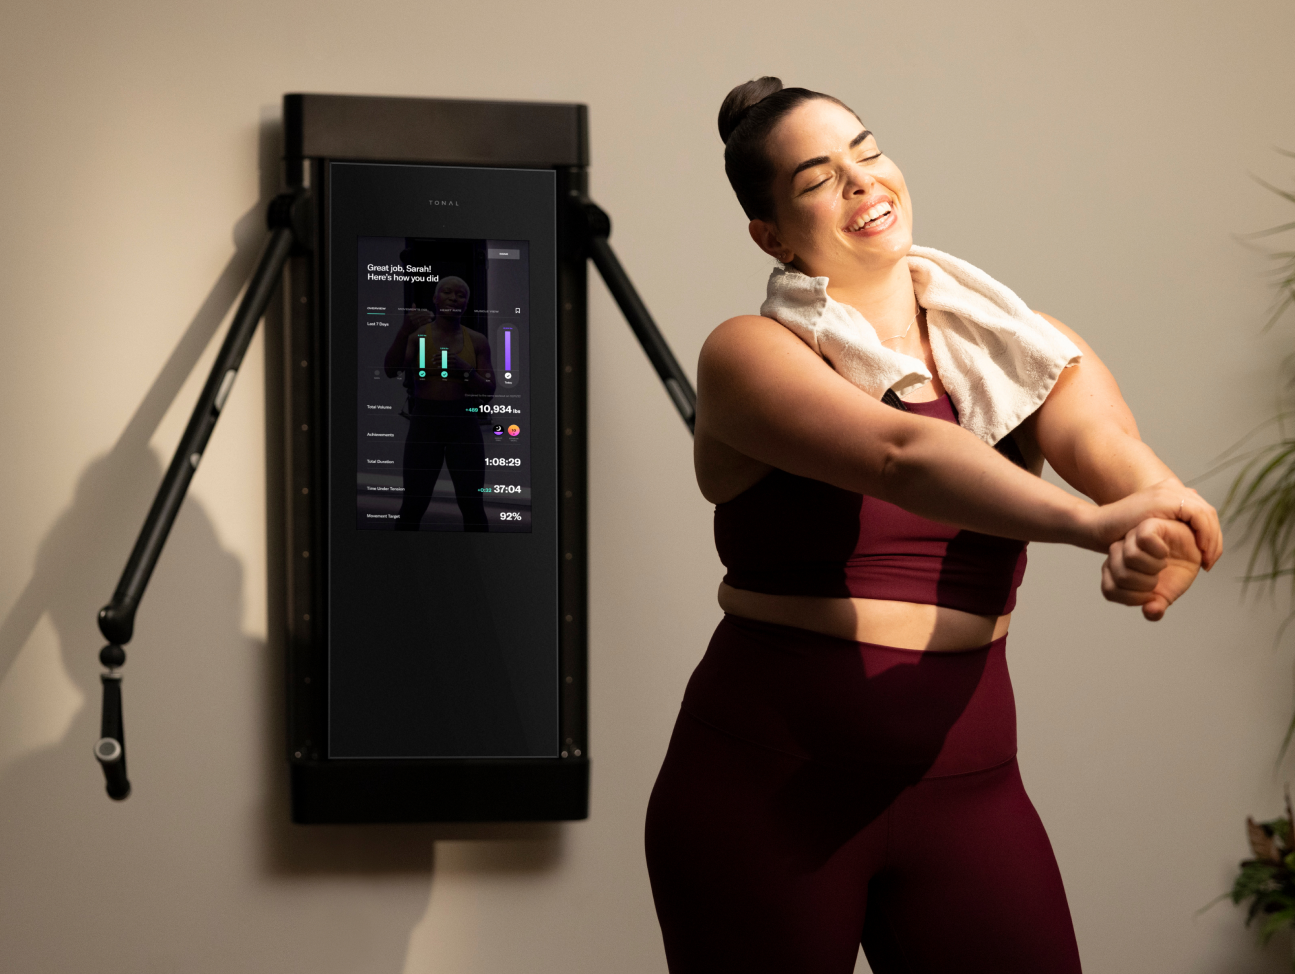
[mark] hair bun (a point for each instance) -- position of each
(741, 100)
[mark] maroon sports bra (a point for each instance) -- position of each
(789, 535)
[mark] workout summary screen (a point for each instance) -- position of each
(443, 387)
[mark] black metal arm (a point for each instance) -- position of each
(289, 219)
(636, 313)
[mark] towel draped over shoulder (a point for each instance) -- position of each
(997, 359)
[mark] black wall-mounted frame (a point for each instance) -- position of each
(322, 130)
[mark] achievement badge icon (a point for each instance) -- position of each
(514, 430)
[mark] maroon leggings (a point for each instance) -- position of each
(820, 793)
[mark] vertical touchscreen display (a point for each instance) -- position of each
(442, 497)
(443, 392)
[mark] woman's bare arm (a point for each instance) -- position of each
(765, 394)
(1087, 433)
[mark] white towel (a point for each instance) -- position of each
(997, 359)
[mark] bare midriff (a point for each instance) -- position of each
(904, 625)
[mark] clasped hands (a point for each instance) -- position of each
(1158, 558)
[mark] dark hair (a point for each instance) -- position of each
(748, 115)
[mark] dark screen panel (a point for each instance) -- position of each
(442, 639)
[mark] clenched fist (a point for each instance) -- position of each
(1151, 566)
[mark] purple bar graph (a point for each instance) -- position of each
(508, 350)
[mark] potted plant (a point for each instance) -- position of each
(1267, 881)
(1262, 501)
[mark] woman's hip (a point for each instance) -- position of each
(853, 705)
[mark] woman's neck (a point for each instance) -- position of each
(886, 300)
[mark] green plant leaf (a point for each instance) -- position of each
(1255, 879)
(1261, 498)
(1273, 230)
(1275, 922)
(1279, 828)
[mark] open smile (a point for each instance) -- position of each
(874, 215)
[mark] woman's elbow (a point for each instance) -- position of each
(897, 466)
(891, 466)
(908, 453)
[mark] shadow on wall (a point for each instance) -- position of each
(200, 869)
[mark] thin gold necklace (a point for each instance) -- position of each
(906, 330)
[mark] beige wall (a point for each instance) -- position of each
(1094, 156)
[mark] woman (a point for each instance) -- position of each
(843, 768)
(440, 429)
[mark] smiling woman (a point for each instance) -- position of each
(846, 752)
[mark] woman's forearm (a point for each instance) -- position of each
(1106, 463)
(944, 473)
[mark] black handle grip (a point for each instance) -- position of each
(110, 749)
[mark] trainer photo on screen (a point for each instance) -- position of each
(441, 361)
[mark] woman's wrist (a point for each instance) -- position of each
(1084, 525)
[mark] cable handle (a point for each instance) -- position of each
(110, 749)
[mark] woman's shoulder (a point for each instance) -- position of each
(743, 325)
(1064, 329)
(744, 337)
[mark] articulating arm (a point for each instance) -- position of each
(289, 219)
(632, 307)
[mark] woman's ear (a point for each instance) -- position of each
(765, 235)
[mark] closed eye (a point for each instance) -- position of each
(810, 189)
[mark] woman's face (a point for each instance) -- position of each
(451, 297)
(840, 206)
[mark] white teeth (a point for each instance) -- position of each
(873, 213)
